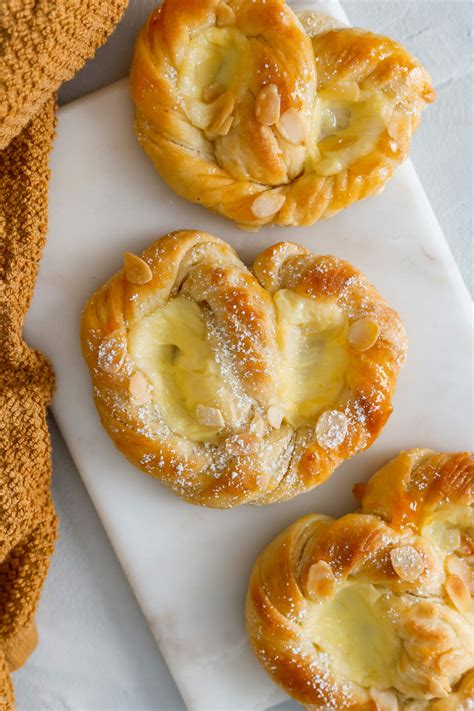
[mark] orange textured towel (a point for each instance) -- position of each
(42, 43)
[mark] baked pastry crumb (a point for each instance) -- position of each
(232, 385)
(374, 611)
(267, 117)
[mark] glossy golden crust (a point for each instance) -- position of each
(398, 555)
(243, 112)
(258, 451)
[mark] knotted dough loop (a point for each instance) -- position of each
(373, 611)
(265, 118)
(234, 387)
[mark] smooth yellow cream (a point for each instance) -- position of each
(345, 131)
(312, 339)
(172, 348)
(216, 56)
(355, 630)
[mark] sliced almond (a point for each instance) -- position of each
(321, 581)
(211, 92)
(407, 563)
(224, 15)
(458, 592)
(348, 90)
(267, 204)
(223, 107)
(458, 567)
(399, 126)
(226, 126)
(209, 416)
(331, 429)
(267, 105)
(451, 539)
(257, 426)
(315, 23)
(439, 687)
(363, 334)
(139, 388)
(136, 270)
(111, 354)
(291, 127)
(449, 661)
(275, 416)
(384, 700)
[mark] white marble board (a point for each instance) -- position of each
(189, 566)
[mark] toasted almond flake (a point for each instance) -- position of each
(449, 661)
(267, 204)
(139, 388)
(331, 429)
(458, 592)
(223, 107)
(347, 90)
(363, 334)
(211, 92)
(399, 126)
(209, 416)
(111, 354)
(136, 270)
(439, 687)
(291, 127)
(458, 567)
(226, 126)
(321, 581)
(384, 700)
(257, 426)
(407, 563)
(267, 105)
(224, 15)
(451, 539)
(315, 23)
(275, 416)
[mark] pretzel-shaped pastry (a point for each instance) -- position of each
(373, 611)
(264, 118)
(235, 387)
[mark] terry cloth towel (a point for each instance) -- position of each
(42, 44)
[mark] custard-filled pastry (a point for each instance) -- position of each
(267, 118)
(373, 611)
(232, 386)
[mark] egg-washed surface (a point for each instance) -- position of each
(374, 611)
(264, 116)
(232, 386)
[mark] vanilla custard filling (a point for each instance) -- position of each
(342, 130)
(215, 56)
(172, 348)
(355, 630)
(312, 340)
(345, 131)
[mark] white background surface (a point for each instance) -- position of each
(96, 651)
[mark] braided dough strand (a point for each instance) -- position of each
(373, 610)
(232, 386)
(265, 119)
